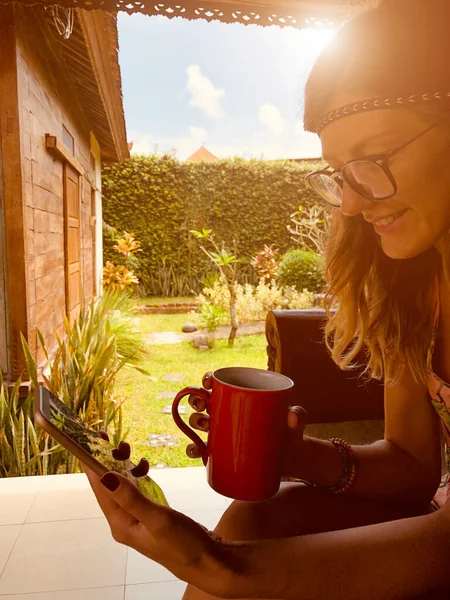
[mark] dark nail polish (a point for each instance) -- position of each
(104, 435)
(141, 469)
(110, 481)
(122, 452)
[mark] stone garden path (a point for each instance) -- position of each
(172, 337)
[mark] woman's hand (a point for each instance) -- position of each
(297, 419)
(166, 536)
(293, 455)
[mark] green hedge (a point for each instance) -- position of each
(159, 199)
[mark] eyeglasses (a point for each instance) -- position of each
(369, 177)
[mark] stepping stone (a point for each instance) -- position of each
(167, 410)
(164, 337)
(201, 342)
(166, 395)
(174, 377)
(161, 440)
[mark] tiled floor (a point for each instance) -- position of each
(56, 545)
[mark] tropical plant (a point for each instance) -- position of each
(118, 277)
(127, 245)
(121, 276)
(226, 263)
(266, 263)
(82, 373)
(254, 302)
(212, 316)
(309, 227)
(302, 269)
(166, 281)
(24, 448)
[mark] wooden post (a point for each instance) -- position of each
(273, 344)
(13, 197)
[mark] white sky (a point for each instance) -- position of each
(236, 89)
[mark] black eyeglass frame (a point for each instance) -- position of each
(382, 160)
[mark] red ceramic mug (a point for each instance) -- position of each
(247, 411)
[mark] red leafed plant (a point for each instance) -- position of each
(266, 263)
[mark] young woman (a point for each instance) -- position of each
(379, 97)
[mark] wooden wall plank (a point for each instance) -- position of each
(12, 189)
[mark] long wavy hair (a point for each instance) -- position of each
(384, 306)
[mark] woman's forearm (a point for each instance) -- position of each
(389, 561)
(384, 470)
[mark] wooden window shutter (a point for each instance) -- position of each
(72, 231)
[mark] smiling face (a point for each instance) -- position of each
(418, 216)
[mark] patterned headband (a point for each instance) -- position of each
(378, 104)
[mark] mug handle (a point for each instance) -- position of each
(199, 443)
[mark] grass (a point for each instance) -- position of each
(155, 323)
(143, 410)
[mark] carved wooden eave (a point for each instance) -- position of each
(102, 45)
(295, 13)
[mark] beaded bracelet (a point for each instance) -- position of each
(348, 476)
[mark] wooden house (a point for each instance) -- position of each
(61, 114)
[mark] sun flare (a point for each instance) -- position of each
(315, 40)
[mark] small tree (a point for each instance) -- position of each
(226, 263)
(212, 316)
(309, 227)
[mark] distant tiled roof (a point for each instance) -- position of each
(202, 155)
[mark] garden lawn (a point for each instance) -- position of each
(157, 322)
(143, 410)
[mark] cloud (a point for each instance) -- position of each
(142, 144)
(229, 151)
(293, 143)
(203, 93)
(183, 145)
(287, 146)
(299, 129)
(270, 116)
(198, 135)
